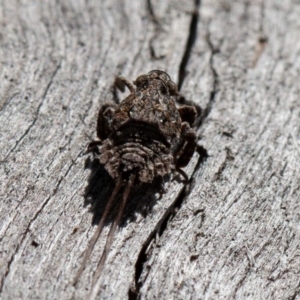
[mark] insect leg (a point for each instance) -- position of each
(121, 82)
(185, 149)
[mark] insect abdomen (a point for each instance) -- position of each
(147, 161)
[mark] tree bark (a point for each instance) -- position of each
(233, 231)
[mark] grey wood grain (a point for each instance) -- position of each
(233, 231)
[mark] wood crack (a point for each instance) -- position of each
(151, 13)
(162, 225)
(189, 45)
(37, 112)
(215, 84)
(157, 30)
(134, 293)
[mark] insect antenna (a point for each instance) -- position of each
(99, 229)
(113, 228)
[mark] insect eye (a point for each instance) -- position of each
(163, 90)
(144, 84)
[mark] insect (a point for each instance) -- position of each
(144, 137)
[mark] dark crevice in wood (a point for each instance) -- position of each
(151, 12)
(133, 293)
(157, 30)
(152, 49)
(215, 86)
(37, 112)
(229, 158)
(189, 45)
(215, 79)
(297, 292)
(240, 283)
(185, 192)
(9, 98)
(162, 225)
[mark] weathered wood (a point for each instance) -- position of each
(233, 232)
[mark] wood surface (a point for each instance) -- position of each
(233, 232)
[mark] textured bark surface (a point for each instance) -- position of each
(233, 232)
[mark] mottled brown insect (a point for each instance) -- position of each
(144, 137)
